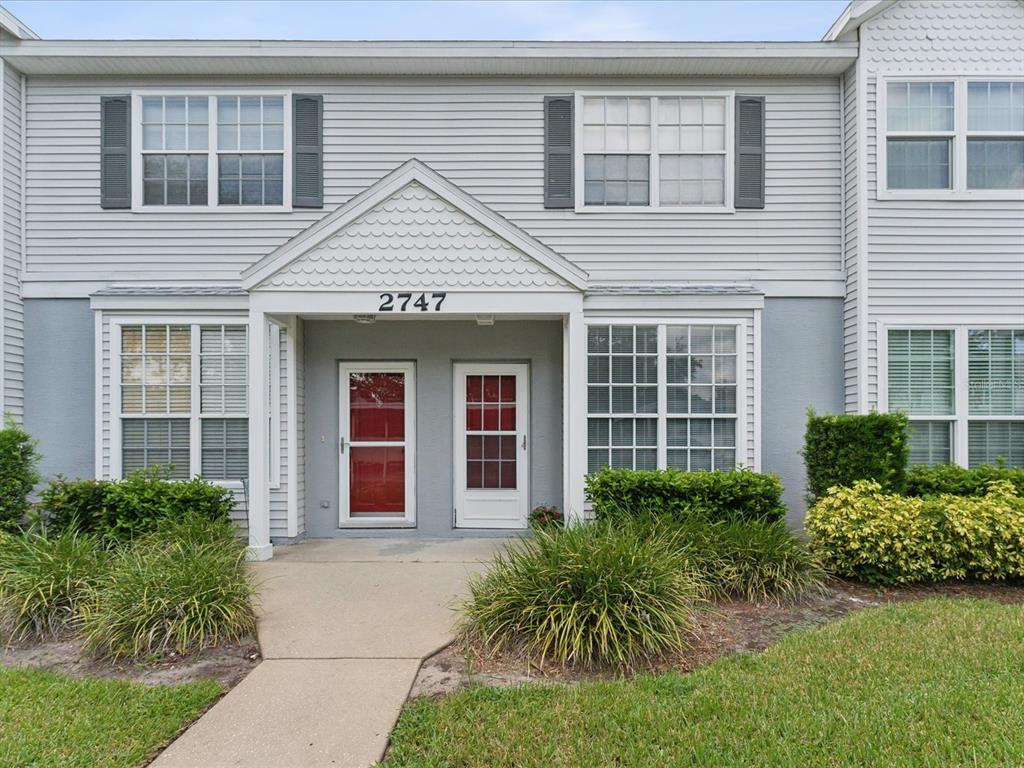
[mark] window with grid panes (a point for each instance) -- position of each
(175, 141)
(619, 155)
(622, 396)
(698, 427)
(931, 126)
(701, 396)
(159, 412)
(235, 142)
(250, 150)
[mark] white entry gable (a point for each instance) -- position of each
(414, 228)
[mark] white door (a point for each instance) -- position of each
(377, 444)
(491, 445)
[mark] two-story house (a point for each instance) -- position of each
(382, 286)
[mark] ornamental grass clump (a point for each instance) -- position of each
(588, 595)
(45, 582)
(757, 560)
(182, 587)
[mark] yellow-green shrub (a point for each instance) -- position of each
(883, 538)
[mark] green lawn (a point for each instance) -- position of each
(52, 720)
(932, 683)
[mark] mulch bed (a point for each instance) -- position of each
(228, 663)
(728, 628)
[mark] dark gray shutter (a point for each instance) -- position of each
(750, 151)
(308, 151)
(558, 161)
(115, 152)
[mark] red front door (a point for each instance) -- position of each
(376, 444)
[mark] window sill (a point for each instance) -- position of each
(951, 195)
(208, 209)
(716, 209)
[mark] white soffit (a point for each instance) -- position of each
(428, 58)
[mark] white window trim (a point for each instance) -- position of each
(961, 417)
(117, 415)
(654, 179)
(211, 151)
(745, 396)
(958, 152)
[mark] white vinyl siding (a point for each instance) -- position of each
(12, 161)
(484, 136)
(939, 262)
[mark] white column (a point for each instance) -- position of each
(574, 408)
(260, 547)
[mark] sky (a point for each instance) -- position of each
(430, 19)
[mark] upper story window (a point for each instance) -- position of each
(952, 137)
(213, 150)
(668, 152)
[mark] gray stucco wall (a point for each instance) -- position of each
(59, 384)
(802, 364)
(434, 347)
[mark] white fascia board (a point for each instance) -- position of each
(855, 14)
(411, 171)
(667, 302)
(459, 305)
(15, 26)
(170, 303)
(515, 58)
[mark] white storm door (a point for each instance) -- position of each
(377, 444)
(491, 445)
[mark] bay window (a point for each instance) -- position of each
(184, 399)
(951, 137)
(211, 151)
(963, 390)
(670, 151)
(662, 395)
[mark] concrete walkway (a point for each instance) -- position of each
(344, 625)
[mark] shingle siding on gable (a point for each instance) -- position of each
(486, 137)
(11, 143)
(942, 258)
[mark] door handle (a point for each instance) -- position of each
(524, 442)
(341, 445)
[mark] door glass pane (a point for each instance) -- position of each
(377, 407)
(377, 485)
(491, 432)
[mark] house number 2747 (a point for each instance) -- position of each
(404, 302)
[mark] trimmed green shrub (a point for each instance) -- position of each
(591, 594)
(756, 560)
(958, 481)
(45, 582)
(881, 538)
(844, 448)
(120, 510)
(670, 493)
(181, 587)
(74, 505)
(18, 475)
